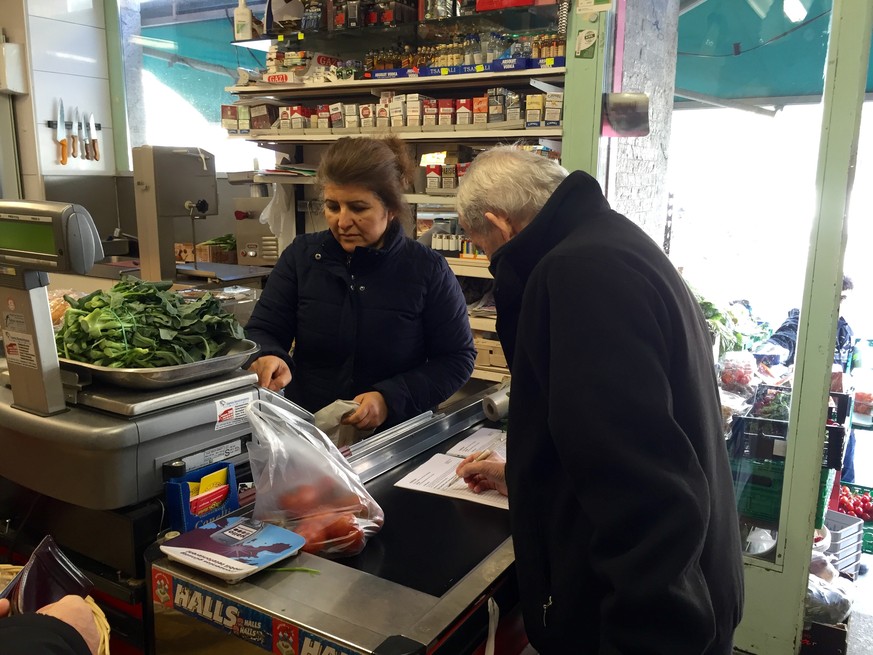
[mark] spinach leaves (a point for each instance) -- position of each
(138, 324)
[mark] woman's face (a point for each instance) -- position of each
(355, 216)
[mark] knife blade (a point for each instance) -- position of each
(83, 138)
(61, 134)
(74, 147)
(92, 133)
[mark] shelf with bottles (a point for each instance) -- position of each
(369, 19)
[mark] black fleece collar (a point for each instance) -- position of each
(364, 257)
(578, 195)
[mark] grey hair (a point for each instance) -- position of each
(506, 181)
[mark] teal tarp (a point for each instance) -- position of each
(752, 49)
(204, 42)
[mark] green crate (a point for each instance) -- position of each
(867, 544)
(758, 486)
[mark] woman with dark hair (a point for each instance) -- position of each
(372, 315)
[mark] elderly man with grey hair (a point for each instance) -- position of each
(620, 493)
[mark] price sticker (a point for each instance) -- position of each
(550, 61)
(281, 37)
(444, 71)
(299, 36)
(480, 68)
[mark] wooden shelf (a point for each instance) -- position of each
(345, 88)
(274, 178)
(439, 137)
(427, 199)
(469, 267)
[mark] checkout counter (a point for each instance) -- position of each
(85, 457)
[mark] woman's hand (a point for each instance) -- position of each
(4, 607)
(371, 412)
(74, 611)
(489, 473)
(273, 372)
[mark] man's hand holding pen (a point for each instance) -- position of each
(483, 471)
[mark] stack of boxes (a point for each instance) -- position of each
(236, 119)
(499, 107)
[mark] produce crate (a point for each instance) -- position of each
(758, 486)
(867, 544)
(761, 437)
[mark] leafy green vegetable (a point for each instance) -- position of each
(226, 241)
(138, 324)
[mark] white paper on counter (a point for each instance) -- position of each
(482, 439)
(437, 475)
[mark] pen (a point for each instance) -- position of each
(485, 454)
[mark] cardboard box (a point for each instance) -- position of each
(216, 254)
(433, 177)
(446, 119)
(446, 106)
(367, 111)
(489, 353)
(263, 116)
(480, 105)
(429, 106)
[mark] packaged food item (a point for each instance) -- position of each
(58, 304)
(736, 372)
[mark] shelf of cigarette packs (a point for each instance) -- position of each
(454, 82)
(495, 113)
(757, 448)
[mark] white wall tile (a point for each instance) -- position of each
(60, 47)
(90, 95)
(83, 12)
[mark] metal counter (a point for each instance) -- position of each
(420, 586)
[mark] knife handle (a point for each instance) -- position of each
(86, 150)
(74, 149)
(94, 150)
(63, 156)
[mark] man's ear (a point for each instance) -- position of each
(502, 225)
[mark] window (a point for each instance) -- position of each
(178, 60)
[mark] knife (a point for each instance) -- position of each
(74, 149)
(61, 134)
(92, 133)
(83, 139)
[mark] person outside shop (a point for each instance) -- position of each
(66, 627)
(620, 494)
(781, 348)
(373, 316)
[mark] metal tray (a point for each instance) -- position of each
(168, 376)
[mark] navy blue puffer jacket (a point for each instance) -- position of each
(390, 319)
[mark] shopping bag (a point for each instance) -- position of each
(305, 484)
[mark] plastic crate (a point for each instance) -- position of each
(761, 438)
(758, 487)
(867, 544)
(843, 528)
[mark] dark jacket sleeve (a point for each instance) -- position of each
(634, 470)
(273, 323)
(39, 634)
(786, 335)
(450, 351)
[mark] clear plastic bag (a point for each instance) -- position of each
(828, 602)
(737, 373)
(305, 484)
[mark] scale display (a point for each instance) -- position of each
(27, 234)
